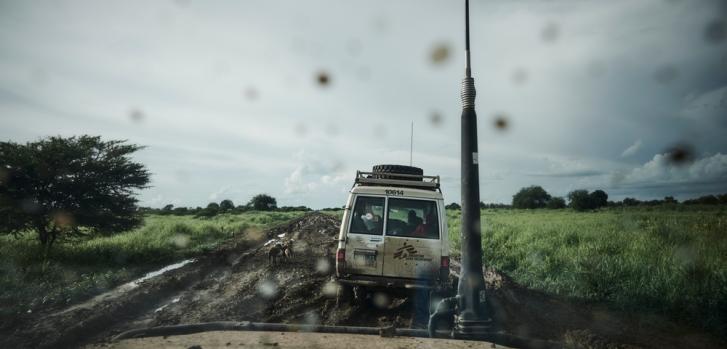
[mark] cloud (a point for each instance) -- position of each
(660, 172)
(313, 172)
(225, 190)
(631, 150)
(709, 106)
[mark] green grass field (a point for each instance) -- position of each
(77, 270)
(671, 261)
(668, 260)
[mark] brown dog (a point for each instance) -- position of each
(275, 252)
(288, 250)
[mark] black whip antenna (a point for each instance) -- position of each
(468, 308)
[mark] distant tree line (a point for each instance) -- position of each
(582, 200)
(260, 202)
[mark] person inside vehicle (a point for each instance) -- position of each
(414, 222)
(357, 224)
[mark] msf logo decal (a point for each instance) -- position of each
(405, 251)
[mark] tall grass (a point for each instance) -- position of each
(667, 261)
(75, 270)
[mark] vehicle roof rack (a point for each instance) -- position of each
(403, 180)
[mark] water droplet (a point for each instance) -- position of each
(666, 74)
(680, 154)
(435, 118)
(330, 289)
(520, 76)
(323, 79)
(323, 266)
(267, 289)
(381, 300)
(550, 32)
(439, 53)
(301, 130)
(715, 31)
(312, 318)
(251, 94)
(136, 115)
(180, 240)
(501, 122)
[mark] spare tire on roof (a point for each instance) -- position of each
(387, 171)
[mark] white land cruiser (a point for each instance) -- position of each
(393, 234)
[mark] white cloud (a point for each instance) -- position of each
(632, 149)
(220, 193)
(659, 171)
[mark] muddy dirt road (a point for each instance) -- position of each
(237, 283)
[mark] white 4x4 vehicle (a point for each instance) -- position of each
(393, 234)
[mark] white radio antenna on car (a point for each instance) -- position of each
(411, 143)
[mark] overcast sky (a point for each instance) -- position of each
(228, 100)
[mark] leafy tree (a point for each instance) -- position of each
(555, 203)
(630, 202)
(580, 200)
(211, 210)
(69, 186)
(226, 205)
(599, 198)
(531, 197)
(263, 202)
(453, 206)
(180, 211)
(670, 200)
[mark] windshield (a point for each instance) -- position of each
(308, 163)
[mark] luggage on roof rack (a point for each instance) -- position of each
(397, 180)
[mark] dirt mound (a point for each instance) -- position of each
(237, 282)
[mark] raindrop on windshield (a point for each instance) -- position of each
(666, 74)
(323, 79)
(501, 122)
(136, 115)
(439, 53)
(323, 266)
(520, 76)
(715, 31)
(680, 154)
(267, 289)
(435, 118)
(550, 32)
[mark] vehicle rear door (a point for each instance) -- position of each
(412, 246)
(365, 240)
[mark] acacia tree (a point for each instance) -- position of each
(531, 197)
(263, 202)
(227, 205)
(69, 186)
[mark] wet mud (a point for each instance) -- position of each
(237, 282)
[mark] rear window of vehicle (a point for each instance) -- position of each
(368, 213)
(412, 218)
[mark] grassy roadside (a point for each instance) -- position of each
(78, 270)
(664, 260)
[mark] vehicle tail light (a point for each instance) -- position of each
(340, 260)
(445, 262)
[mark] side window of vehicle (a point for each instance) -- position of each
(412, 218)
(367, 217)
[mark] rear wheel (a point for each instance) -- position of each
(359, 294)
(344, 296)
